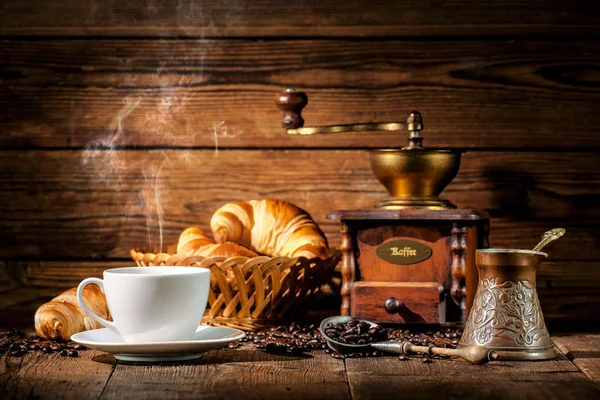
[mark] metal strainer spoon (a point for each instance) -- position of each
(548, 237)
(473, 354)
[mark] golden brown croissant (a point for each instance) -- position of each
(192, 239)
(271, 227)
(62, 316)
(227, 249)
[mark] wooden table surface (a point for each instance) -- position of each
(253, 374)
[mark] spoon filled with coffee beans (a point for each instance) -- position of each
(347, 334)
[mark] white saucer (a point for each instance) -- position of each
(206, 338)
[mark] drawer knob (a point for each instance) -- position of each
(393, 305)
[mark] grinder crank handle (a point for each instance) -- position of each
(291, 103)
(473, 354)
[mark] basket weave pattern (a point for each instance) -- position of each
(251, 293)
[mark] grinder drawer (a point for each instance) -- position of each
(393, 302)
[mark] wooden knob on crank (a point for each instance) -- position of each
(291, 104)
(393, 305)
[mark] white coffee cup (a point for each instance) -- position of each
(152, 304)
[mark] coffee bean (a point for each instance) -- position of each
(63, 353)
(234, 345)
(352, 331)
(275, 347)
(73, 353)
(351, 338)
(332, 333)
(402, 357)
(362, 327)
(427, 361)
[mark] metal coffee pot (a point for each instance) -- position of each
(506, 316)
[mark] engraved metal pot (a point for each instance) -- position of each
(506, 314)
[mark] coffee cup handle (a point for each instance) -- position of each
(110, 325)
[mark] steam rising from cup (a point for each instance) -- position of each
(165, 111)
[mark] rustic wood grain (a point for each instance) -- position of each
(18, 306)
(41, 376)
(248, 374)
(446, 249)
(584, 352)
(436, 236)
(282, 18)
(347, 266)
(101, 204)
(452, 379)
(234, 374)
(569, 292)
(220, 93)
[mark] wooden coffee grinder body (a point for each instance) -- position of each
(410, 266)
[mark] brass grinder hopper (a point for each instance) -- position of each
(413, 175)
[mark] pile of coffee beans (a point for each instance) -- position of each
(356, 332)
(445, 337)
(297, 338)
(294, 338)
(16, 344)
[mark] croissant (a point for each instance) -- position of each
(227, 249)
(62, 316)
(192, 239)
(271, 227)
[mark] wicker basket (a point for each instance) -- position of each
(251, 293)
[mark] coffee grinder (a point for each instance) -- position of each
(411, 258)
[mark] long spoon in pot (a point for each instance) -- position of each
(473, 354)
(548, 237)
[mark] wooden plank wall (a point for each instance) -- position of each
(125, 120)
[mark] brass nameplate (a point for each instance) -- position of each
(403, 252)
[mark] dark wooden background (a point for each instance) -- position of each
(116, 115)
